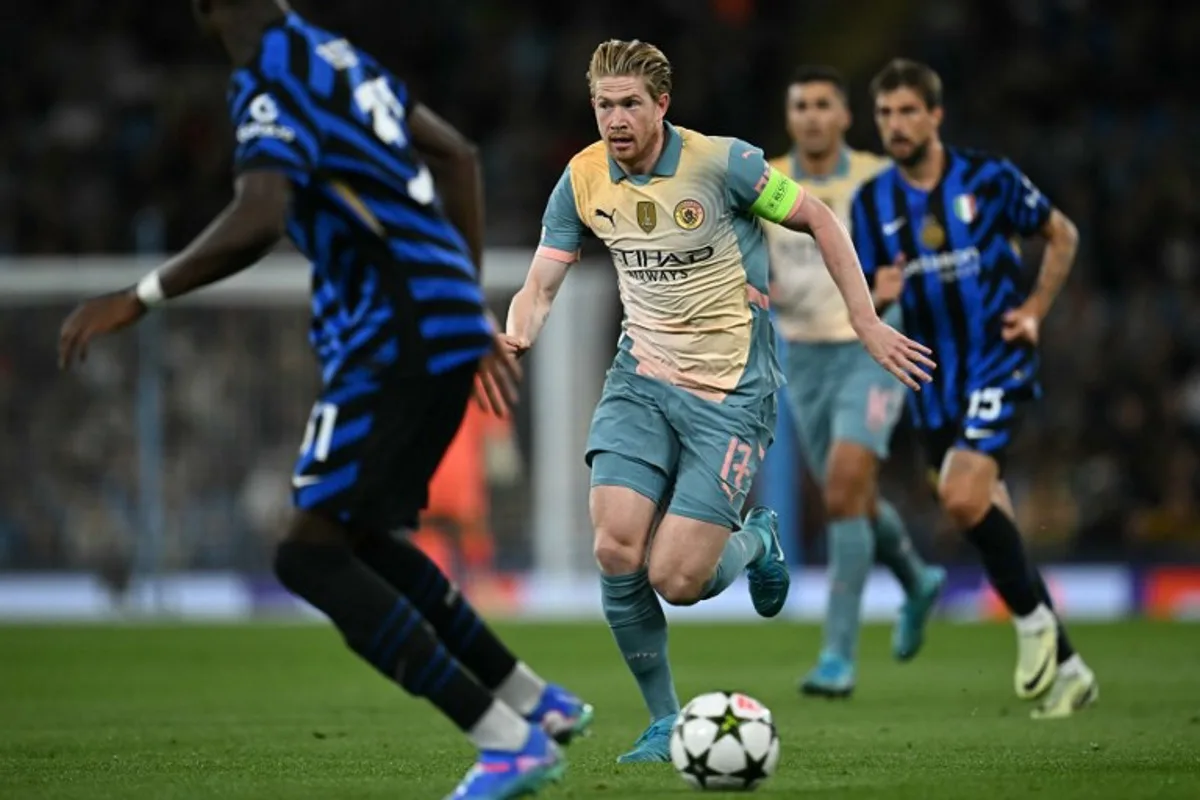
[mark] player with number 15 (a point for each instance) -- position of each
(332, 150)
(936, 234)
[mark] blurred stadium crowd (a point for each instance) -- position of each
(120, 109)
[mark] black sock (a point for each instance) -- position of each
(460, 628)
(1003, 555)
(382, 626)
(1065, 650)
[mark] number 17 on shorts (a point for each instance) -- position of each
(737, 471)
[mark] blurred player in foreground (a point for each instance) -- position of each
(332, 151)
(943, 223)
(844, 403)
(688, 407)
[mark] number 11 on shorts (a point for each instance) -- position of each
(318, 435)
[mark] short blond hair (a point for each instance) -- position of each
(634, 59)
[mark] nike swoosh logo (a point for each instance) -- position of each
(1033, 682)
(301, 481)
(891, 227)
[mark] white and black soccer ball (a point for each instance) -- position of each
(723, 741)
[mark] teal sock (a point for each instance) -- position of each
(636, 618)
(743, 548)
(851, 553)
(895, 548)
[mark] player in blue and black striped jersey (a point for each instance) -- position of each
(333, 152)
(938, 233)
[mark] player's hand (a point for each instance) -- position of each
(889, 283)
(1021, 324)
(100, 315)
(498, 376)
(898, 354)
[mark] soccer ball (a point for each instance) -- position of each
(724, 740)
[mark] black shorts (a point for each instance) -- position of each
(990, 426)
(373, 442)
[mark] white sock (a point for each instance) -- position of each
(1037, 620)
(522, 690)
(501, 729)
(1072, 666)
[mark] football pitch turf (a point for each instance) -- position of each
(278, 711)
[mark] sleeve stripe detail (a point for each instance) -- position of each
(554, 254)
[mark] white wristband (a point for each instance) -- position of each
(150, 291)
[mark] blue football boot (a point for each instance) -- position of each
(562, 715)
(768, 575)
(503, 776)
(653, 745)
(909, 633)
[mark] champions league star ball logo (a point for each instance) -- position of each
(689, 215)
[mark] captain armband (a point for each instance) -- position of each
(777, 198)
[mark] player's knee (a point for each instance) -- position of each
(847, 496)
(677, 587)
(616, 554)
(289, 564)
(293, 563)
(964, 503)
(850, 481)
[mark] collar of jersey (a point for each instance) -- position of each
(842, 169)
(668, 159)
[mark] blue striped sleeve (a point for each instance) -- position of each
(1025, 206)
(860, 234)
(273, 128)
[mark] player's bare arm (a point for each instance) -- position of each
(249, 227)
(454, 161)
(1062, 240)
(531, 305)
(498, 373)
(900, 355)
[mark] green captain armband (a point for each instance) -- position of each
(775, 201)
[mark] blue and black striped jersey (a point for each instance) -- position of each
(392, 282)
(959, 243)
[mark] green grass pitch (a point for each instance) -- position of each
(263, 711)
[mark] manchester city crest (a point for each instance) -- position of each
(689, 214)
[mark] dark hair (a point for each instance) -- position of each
(821, 73)
(901, 73)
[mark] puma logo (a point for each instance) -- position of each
(610, 216)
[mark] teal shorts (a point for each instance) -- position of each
(838, 392)
(692, 457)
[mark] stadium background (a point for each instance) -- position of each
(155, 479)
